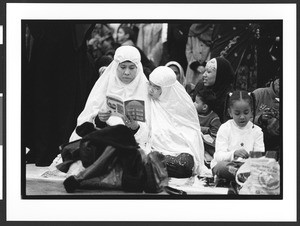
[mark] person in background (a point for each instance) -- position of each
(102, 42)
(237, 137)
(175, 130)
(56, 80)
(126, 37)
(150, 41)
(102, 62)
(267, 114)
(209, 120)
(176, 43)
(197, 52)
(176, 67)
(218, 77)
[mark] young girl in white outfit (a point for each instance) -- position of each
(237, 137)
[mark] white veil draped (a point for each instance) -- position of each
(175, 125)
(110, 84)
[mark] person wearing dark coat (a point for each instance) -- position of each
(56, 80)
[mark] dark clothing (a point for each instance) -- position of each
(56, 81)
(222, 86)
(176, 43)
(100, 151)
(226, 170)
(180, 166)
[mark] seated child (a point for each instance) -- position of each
(209, 120)
(237, 137)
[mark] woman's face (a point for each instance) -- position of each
(121, 36)
(176, 70)
(154, 91)
(126, 71)
(210, 74)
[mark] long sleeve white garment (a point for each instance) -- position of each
(230, 138)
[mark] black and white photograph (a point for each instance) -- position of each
(202, 112)
(1, 146)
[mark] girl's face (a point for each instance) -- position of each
(176, 70)
(200, 106)
(154, 91)
(121, 36)
(241, 112)
(126, 71)
(210, 74)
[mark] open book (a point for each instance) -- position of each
(133, 108)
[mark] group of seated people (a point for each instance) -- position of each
(175, 121)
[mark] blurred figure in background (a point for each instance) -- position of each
(126, 37)
(176, 67)
(267, 114)
(197, 52)
(56, 81)
(150, 41)
(176, 43)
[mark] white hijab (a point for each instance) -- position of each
(175, 126)
(181, 78)
(110, 84)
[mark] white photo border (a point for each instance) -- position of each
(148, 210)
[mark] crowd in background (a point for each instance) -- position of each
(253, 50)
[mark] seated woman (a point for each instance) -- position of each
(123, 78)
(174, 130)
(218, 77)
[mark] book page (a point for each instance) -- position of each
(115, 105)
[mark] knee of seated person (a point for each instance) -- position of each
(186, 161)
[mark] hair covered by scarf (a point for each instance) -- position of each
(110, 85)
(127, 53)
(223, 83)
(225, 74)
(175, 125)
(181, 78)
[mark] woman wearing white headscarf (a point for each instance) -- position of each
(175, 129)
(123, 78)
(176, 67)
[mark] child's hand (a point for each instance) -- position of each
(241, 153)
(104, 116)
(130, 122)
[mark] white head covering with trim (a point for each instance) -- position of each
(181, 79)
(175, 126)
(110, 84)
